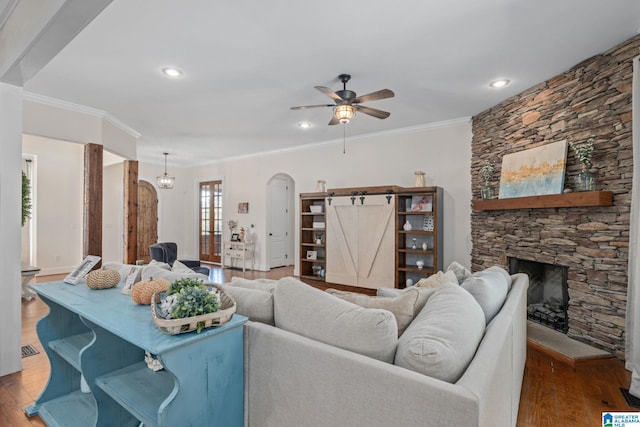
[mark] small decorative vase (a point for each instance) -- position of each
(321, 186)
(586, 179)
(409, 283)
(424, 246)
(420, 181)
(486, 191)
(407, 226)
(420, 264)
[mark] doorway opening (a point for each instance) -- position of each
(211, 221)
(280, 221)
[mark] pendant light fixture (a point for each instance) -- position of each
(165, 181)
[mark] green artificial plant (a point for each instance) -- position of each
(26, 198)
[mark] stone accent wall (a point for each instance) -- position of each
(591, 99)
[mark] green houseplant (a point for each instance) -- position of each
(586, 179)
(26, 198)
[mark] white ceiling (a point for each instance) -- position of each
(246, 62)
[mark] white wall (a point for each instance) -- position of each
(10, 196)
(58, 211)
(177, 208)
(443, 151)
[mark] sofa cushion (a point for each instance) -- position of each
(261, 284)
(442, 339)
(179, 267)
(437, 279)
(462, 273)
(404, 307)
(256, 304)
(310, 312)
(489, 287)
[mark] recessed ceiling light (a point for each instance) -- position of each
(304, 125)
(499, 83)
(172, 72)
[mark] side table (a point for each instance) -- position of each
(28, 272)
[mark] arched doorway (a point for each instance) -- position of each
(147, 219)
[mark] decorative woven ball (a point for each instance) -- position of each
(103, 279)
(142, 291)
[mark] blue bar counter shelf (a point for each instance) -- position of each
(99, 338)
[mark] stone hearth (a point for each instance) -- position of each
(591, 99)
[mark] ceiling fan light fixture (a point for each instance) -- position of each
(165, 181)
(344, 113)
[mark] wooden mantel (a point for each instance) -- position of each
(567, 200)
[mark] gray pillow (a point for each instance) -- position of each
(423, 295)
(310, 312)
(504, 273)
(256, 304)
(403, 307)
(442, 339)
(261, 284)
(489, 287)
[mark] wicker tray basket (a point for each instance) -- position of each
(188, 324)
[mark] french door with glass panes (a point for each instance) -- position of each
(211, 221)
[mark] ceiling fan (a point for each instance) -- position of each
(347, 102)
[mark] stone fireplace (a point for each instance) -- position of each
(547, 296)
(590, 243)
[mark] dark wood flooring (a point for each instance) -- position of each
(554, 393)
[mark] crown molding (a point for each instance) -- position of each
(366, 136)
(81, 109)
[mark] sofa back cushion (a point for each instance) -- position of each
(489, 287)
(442, 339)
(315, 314)
(256, 304)
(267, 285)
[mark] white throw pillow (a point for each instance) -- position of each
(310, 312)
(157, 272)
(124, 270)
(179, 267)
(489, 287)
(444, 336)
(462, 273)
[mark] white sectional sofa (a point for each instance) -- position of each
(295, 380)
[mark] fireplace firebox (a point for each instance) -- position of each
(548, 296)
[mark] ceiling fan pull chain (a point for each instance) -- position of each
(344, 138)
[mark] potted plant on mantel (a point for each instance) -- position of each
(586, 178)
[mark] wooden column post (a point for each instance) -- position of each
(92, 241)
(130, 183)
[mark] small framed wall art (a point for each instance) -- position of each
(312, 255)
(243, 207)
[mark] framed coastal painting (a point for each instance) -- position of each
(534, 172)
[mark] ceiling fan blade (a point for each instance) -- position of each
(374, 96)
(331, 94)
(379, 114)
(304, 107)
(334, 121)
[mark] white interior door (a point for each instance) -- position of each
(279, 222)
